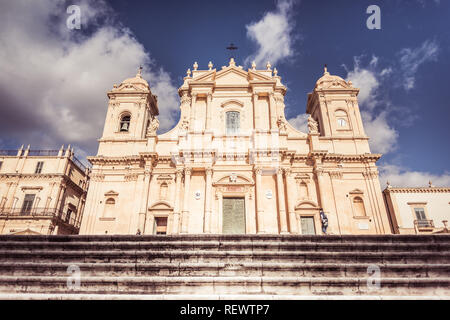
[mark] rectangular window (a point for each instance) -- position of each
(422, 221)
(39, 166)
(27, 203)
(233, 122)
(1, 163)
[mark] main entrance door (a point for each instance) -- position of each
(233, 216)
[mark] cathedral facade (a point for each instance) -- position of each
(233, 164)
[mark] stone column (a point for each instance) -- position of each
(256, 122)
(143, 210)
(208, 111)
(176, 211)
(281, 202)
(291, 197)
(208, 195)
(219, 196)
(186, 199)
(259, 198)
(333, 221)
(273, 113)
(192, 120)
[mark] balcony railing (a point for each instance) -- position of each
(8, 152)
(78, 163)
(36, 213)
(43, 153)
(424, 224)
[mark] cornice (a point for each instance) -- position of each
(418, 190)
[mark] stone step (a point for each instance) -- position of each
(226, 285)
(225, 256)
(436, 238)
(224, 269)
(224, 246)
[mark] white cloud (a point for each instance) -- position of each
(383, 138)
(53, 81)
(411, 59)
(273, 35)
(300, 122)
(402, 177)
(367, 80)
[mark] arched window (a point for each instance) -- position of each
(125, 123)
(233, 122)
(342, 118)
(109, 207)
(358, 206)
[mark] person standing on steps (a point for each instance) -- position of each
(323, 220)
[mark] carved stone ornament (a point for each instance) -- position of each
(153, 126)
(281, 123)
(313, 126)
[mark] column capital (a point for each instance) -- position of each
(279, 171)
(179, 173)
(187, 171)
(287, 172)
(209, 171)
(258, 170)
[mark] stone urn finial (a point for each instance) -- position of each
(253, 65)
(210, 65)
(195, 66)
(268, 65)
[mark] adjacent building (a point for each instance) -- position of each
(41, 191)
(418, 210)
(233, 164)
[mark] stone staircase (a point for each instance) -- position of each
(224, 266)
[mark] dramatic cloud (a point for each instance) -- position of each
(53, 80)
(273, 35)
(383, 138)
(401, 177)
(411, 59)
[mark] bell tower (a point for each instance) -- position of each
(132, 111)
(334, 114)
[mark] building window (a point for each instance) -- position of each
(342, 118)
(39, 166)
(422, 221)
(27, 203)
(358, 206)
(233, 122)
(1, 163)
(342, 122)
(160, 226)
(125, 123)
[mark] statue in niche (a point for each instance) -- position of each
(281, 124)
(313, 126)
(153, 126)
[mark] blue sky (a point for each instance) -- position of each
(64, 74)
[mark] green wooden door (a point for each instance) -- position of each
(308, 225)
(233, 216)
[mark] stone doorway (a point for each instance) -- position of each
(233, 216)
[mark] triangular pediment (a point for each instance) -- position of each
(232, 75)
